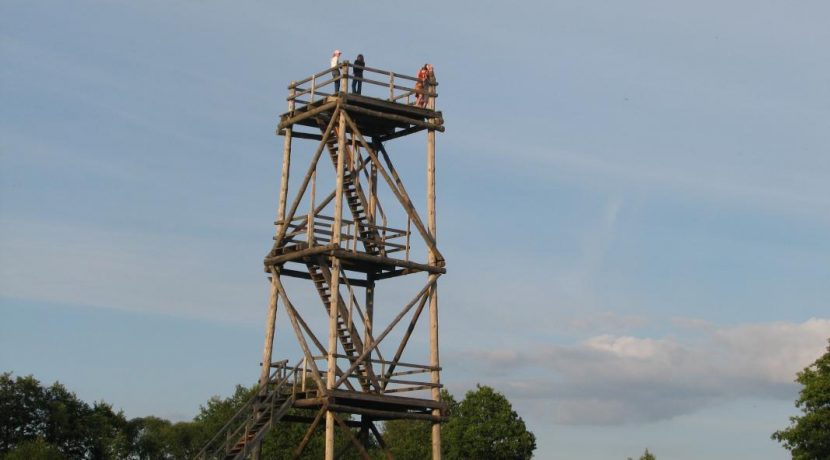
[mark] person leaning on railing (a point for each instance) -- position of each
(357, 81)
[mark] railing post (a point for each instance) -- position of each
(305, 371)
(313, 87)
(391, 86)
(310, 220)
(408, 232)
(344, 77)
(292, 95)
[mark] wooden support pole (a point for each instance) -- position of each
(435, 375)
(370, 313)
(270, 322)
(381, 442)
(310, 432)
(334, 284)
(292, 315)
(350, 436)
(404, 341)
(416, 219)
(268, 346)
(305, 115)
(312, 167)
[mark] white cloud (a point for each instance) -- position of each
(621, 379)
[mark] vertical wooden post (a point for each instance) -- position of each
(269, 335)
(373, 197)
(267, 348)
(310, 217)
(344, 77)
(286, 162)
(369, 319)
(433, 295)
(335, 281)
(370, 279)
(270, 323)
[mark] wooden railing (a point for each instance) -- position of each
(319, 229)
(377, 83)
(230, 433)
(389, 376)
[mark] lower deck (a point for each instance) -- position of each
(375, 406)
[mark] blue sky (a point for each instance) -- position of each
(633, 203)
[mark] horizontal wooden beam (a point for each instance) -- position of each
(386, 415)
(301, 135)
(294, 255)
(306, 276)
(401, 133)
(300, 116)
(390, 116)
(399, 402)
(309, 420)
(381, 260)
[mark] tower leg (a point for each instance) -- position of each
(335, 281)
(433, 295)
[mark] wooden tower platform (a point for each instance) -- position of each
(361, 230)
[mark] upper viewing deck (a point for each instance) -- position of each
(389, 104)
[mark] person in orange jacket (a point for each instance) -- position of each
(420, 97)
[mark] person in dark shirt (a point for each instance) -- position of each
(357, 81)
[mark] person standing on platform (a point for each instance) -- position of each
(335, 72)
(357, 77)
(420, 98)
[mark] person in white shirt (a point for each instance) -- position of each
(335, 64)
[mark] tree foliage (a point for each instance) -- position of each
(31, 413)
(34, 449)
(646, 456)
(412, 439)
(808, 436)
(485, 425)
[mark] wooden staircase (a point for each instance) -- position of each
(348, 335)
(257, 427)
(356, 199)
(248, 427)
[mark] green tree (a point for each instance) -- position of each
(34, 449)
(647, 455)
(23, 414)
(412, 439)
(808, 436)
(408, 439)
(29, 411)
(485, 425)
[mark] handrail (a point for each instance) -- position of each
(396, 87)
(387, 378)
(323, 230)
(246, 408)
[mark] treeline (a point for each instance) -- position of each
(51, 423)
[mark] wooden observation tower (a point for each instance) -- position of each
(347, 230)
